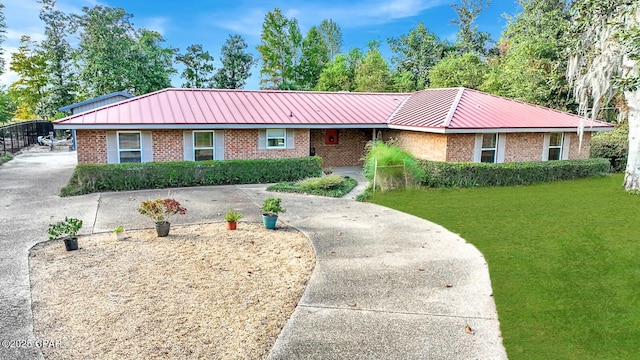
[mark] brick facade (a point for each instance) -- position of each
(347, 152)
(92, 146)
(168, 145)
(243, 144)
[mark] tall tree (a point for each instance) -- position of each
(279, 50)
(198, 67)
(604, 62)
(466, 70)
(61, 87)
(531, 66)
(3, 32)
(7, 106)
(332, 35)
(469, 39)
(336, 76)
(152, 64)
(315, 56)
(29, 63)
(236, 64)
(415, 54)
(372, 75)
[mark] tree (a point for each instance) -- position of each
(236, 64)
(336, 76)
(60, 87)
(372, 75)
(414, 55)
(7, 106)
(332, 35)
(469, 39)
(604, 62)
(151, 63)
(531, 66)
(198, 67)
(466, 70)
(279, 50)
(29, 62)
(3, 31)
(315, 56)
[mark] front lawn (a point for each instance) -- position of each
(564, 259)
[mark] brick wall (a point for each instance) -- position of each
(460, 147)
(523, 147)
(427, 146)
(168, 145)
(347, 152)
(575, 150)
(243, 144)
(92, 146)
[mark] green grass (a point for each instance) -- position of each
(323, 186)
(5, 158)
(564, 261)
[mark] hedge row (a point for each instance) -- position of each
(444, 174)
(157, 175)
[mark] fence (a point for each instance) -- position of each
(392, 177)
(17, 136)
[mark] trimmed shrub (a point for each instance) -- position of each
(157, 175)
(332, 185)
(445, 174)
(612, 145)
(321, 183)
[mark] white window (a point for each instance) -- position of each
(489, 148)
(555, 146)
(276, 139)
(129, 147)
(203, 145)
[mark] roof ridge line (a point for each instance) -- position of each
(400, 106)
(454, 107)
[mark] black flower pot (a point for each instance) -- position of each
(163, 228)
(71, 244)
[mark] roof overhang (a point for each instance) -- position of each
(498, 130)
(63, 126)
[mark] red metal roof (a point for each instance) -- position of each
(243, 107)
(432, 110)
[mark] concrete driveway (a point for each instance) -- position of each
(386, 285)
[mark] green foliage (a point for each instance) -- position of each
(271, 206)
(563, 260)
(315, 56)
(7, 106)
(279, 49)
(336, 75)
(232, 215)
(372, 75)
(91, 178)
(332, 186)
(236, 64)
(389, 154)
(69, 228)
(198, 67)
(28, 92)
(612, 145)
(447, 174)
(118, 229)
(466, 70)
(5, 158)
(332, 36)
(469, 39)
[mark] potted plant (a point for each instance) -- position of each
(66, 230)
(231, 217)
(271, 207)
(119, 232)
(160, 211)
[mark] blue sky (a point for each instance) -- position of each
(210, 22)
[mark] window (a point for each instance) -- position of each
(203, 145)
(555, 146)
(489, 148)
(129, 147)
(276, 138)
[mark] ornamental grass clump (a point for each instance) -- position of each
(161, 210)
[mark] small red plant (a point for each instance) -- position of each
(160, 210)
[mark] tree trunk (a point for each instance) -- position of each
(632, 174)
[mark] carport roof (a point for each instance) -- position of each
(449, 110)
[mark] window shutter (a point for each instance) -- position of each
(477, 151)
(187, 138)
(565, 146)
(147, 146)
(290, 138)
(219, 145)
(262, 139)
(502, 140)
(545, 147)
(112, 147)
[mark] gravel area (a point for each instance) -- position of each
(203, 292)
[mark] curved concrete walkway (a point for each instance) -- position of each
(386, 285)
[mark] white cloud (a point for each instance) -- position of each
(157, 23)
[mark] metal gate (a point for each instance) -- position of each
(17, 136)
